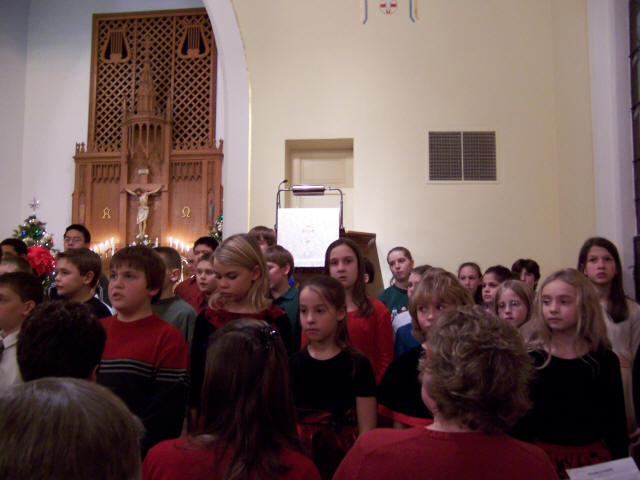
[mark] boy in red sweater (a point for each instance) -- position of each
(145, 359)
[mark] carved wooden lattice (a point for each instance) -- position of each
(151, 129)
(182, 54)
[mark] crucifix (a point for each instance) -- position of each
(143, 195)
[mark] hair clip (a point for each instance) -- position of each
(268, 335)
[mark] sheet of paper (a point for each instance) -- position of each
(307, 232)
(623, 469)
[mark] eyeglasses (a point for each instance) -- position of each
(73, 239)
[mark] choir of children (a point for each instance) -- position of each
(256, 414)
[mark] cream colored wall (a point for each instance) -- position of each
(519, 67)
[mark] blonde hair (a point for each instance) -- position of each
(440, 284)
(591, 327)
(522, 290)
(241, 250)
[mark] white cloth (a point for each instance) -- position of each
(9, 371)
(400, 320)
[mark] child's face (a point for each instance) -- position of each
(318, 319)
(511, 308)
(68, 278)
(429, 310)
(559, 306)
(600, 266)
(13, 310)
(469, 278)
(414, 279)
(8, 250)
(262, 243)
(128, 289)
(278, 276)
(205, 277)
(399, 265)
(343, 265)
(234, 281)
(191, 263)
(490, 285)
(201, 249)
(528, 278)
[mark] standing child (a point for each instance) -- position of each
(600, 262)
(249, 427)
(169, 306)
(333, 384)
(78, 271)
(19, 294)
(280, 267)
(145, 358)
(242, 292)
(491, 280)
(188, 290)
(578, 414)
(368, 320)
(395, 297)
(514, 302)
(403, 339)
(470, 277)
(264, 236)
(528, 271)
(399, 392)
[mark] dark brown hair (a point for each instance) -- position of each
(145, 260)
(332, 291)
(60, 339)
(25, 285)
(85, 261)
(617, 301)
(21, 263)
(280, 256)
(266, 233)
(170, 257)
(65, 428)
(359, 292)
(248, 408)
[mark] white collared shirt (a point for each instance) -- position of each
(9, 371)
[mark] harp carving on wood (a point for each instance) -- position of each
(151, 152)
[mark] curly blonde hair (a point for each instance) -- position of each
(437, 284)
(477, 370)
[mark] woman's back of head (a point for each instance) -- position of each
(66, 428)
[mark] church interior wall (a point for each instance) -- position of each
(518, 68)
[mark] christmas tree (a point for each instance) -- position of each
(33, 232)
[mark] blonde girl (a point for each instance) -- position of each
(333, 384)
(578, 407)
(242, 291)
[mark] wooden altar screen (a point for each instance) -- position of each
(150, 151)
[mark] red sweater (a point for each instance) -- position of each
(145, 362)
(180, 459)
(421, 453)
(188, 291)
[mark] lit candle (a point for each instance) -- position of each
(156, 242)
(113, 247)
(171, 242)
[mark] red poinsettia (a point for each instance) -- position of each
(41, 260)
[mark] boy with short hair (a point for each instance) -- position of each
(145, 359)
(169, 306)
(13, 246)
(61, 339)
(77, 273)
(188, 289)
(280, 267)
(265, 236)
(19, 293)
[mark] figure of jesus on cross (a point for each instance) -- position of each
(143, 206)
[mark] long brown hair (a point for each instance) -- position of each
(332, 292)
(617, 301)
(359, 291)
(246, 400)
